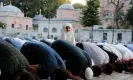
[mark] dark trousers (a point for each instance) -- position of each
(11, 61)
(75, 58)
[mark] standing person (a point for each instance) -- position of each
(13, 65)
(78, 63)
(67, 33)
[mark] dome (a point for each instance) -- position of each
(66, 6)
(39, 17)
(10, 8)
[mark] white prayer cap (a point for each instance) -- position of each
(88, 74)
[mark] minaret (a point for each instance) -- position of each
(1, 4)
(40, 12)
(10, 2)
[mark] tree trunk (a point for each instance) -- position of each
(116, 20)
(132, 30)
(117, 23)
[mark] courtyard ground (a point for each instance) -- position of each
(114, 76)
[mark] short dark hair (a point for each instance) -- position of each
(119, 67)
(130, 63)
(96, 70)
(125, 45)
(125, 67)
(108, 69)
(80, 45)
(101, 46)
(59, 75)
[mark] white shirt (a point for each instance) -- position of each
(99, 56)
(126, 53)
(111, 48)
(19, 42)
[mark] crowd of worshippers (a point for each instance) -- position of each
(24, 58)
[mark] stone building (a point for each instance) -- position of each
(15, 21)
(52, 27)
(107, 9)
(109, 35)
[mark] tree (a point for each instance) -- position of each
(2, 25)
(129, 16)
(78, 6)
(32, 7)
(118, 4)
(122, 20)
(63, 1)
(109, 27)
(90, 13)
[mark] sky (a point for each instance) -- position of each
(78, 1)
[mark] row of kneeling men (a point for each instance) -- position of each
(28, 59)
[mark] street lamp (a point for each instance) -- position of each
(113, 35)
(132, 20)
(92, 33)
(48, 14)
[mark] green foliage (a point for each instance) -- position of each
(91, 13)
(124, 24)
(2, 25)
(32, 7)
(109, 27)
(118, 5)
(129, 16)
(78, 6)
(100, 28)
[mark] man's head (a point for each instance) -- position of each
(126, 66)
(79, 45)
(125, 45)
(118, 67)
(96, 70)
(107, 68)
(130, 63)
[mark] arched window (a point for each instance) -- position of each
(45, 29)
(20, 26)
(54, 30)
(27, 27)
(12, 25)
(107, 13)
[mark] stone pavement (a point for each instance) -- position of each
(114, 76)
